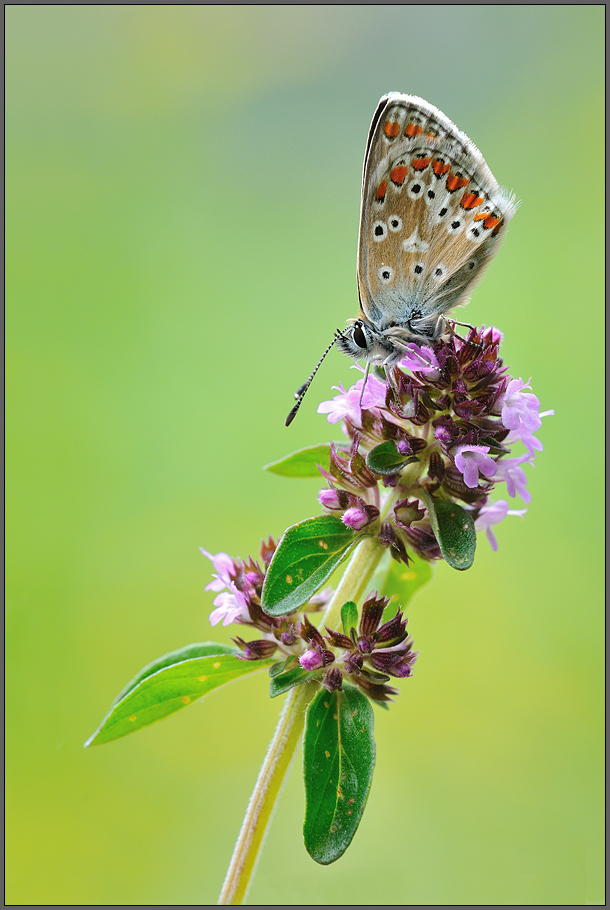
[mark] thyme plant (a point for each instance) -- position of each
(413, 482)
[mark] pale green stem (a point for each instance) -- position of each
(265, 795)
(289, 728)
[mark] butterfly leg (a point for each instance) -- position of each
(391, 378)
(366, 376)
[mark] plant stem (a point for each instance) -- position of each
(360, 568)
(265, 795)
(354, 580)
(288, 731)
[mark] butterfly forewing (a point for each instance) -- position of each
(432, 215)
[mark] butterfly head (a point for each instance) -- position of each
(385, 346)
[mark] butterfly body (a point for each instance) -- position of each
(432, 217)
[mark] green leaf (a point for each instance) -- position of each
(349, 616)
(306, 556)
(284, 681)
(386, 459)
(199, 649)
(403, 581)
(281, 666)
(302, 463)
(454, 531)
(338, 763)
(169, 684)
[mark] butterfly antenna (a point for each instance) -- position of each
(300, 392)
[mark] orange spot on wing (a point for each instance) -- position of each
(481, 216)
(381, 191)
(412, 129)
(391, 129)
(455, 182)
(439, 167)
(470, 201)
(491, 221)
(398, 175)
(420, 164)
(497, 227)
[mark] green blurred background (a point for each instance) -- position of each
(183, 189)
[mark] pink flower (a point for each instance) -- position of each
(230, 605)
(472, 460)
(491, 514)
(347, 403)
(225, 567)
(510, 470)
(421, 360)
(521, 434)
(519, 408)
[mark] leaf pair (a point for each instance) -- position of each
(339, 747)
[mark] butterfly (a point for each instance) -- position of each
(431, 219)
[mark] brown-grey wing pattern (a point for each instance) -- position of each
(432, 214)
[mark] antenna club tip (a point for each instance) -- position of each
(292, 415)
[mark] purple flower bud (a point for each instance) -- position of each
(365, 644)
(372, 611)
(353, 663)
(329, 499)
(491, 335)
(255, 650)
(311, 660)
(333, 679)
(355, 518)
(267, 550)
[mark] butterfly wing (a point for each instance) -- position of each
(432, 215)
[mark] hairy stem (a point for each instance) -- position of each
(286, 738)
(265, 795)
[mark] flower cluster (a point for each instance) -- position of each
(454, 417)
(241, 583)
(370, 655)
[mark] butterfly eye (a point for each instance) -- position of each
(395, 223)
(386, 274)
(358, 337)
(380, 231)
